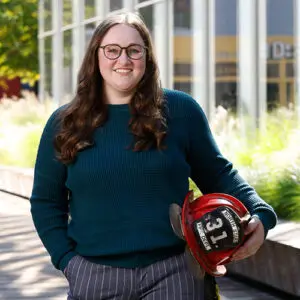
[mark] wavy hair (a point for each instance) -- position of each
(87, 111)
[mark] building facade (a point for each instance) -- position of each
(240, 54)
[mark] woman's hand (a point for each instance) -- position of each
(255, 230)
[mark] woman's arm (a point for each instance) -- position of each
(49, 199)
(214, 173)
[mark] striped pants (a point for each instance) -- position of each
(168, 279)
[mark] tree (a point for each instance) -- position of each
(19, 39)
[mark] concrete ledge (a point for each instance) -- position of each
(16, 180)
(276, 264)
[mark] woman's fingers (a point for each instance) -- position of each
(255, 230)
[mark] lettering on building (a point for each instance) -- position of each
(280, 50)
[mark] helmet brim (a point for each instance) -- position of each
(175, 219)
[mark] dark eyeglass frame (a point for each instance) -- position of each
(126, 50)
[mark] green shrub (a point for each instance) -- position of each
(280, 188)
(267, 158)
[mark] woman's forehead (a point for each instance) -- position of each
(122, 35)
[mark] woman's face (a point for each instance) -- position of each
(121, 74)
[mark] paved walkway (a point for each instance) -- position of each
(26, 271)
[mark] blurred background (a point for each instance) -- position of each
(239, 59)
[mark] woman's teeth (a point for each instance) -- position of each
(122, 71)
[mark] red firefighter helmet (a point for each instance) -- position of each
(213, 227)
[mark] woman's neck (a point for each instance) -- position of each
(116, 97)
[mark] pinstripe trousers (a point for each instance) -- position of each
(168, 279)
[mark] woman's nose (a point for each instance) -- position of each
(124, 57)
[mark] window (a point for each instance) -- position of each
(47, 15)
(183, 86)
(226, 95)
(89, 31)
(182, 14)
(273, 70)
(89, 7)
(48, 66)
(67, 12)
(272, 95)
(226, 17)
(182, 69)
(115, 5)
(147, 15)
(289, 70)
(226, 69)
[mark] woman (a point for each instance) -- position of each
(113, 160)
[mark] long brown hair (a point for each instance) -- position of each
(87, 111)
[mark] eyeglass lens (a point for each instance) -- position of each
(115, 51)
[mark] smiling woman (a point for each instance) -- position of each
(121, 70)
(105, 81)
(112, 161)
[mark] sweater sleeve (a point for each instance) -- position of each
(213, 173)
(49, 200)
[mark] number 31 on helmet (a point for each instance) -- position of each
(213, 228)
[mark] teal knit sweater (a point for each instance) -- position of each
(118, 200)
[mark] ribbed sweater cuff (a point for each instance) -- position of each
(265, 218)
(65, 260)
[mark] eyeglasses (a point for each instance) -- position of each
(114, 51)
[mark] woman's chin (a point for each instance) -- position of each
(125, 88)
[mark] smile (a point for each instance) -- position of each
(123, 71)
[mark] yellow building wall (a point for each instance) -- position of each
(223, 44)
(226, 49)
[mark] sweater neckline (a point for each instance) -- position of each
(118, 107)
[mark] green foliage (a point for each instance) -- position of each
(272, 146)
(18, 39)
(266, 159)
(281, 189)
(193, 186)
(276, 136)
